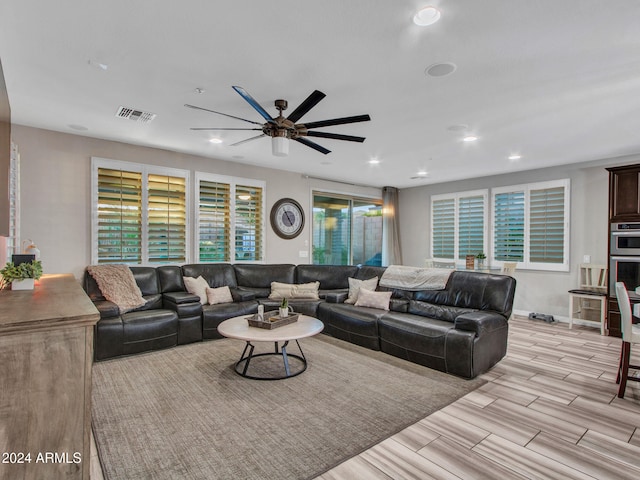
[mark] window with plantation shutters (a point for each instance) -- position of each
(166, 220)
(119, 216)
(139, 213)
(214, 208)
(230, 219)
(531, 225)
(546, 224)
(471, 222)
(458, 224)
(508, 226)
(248, 223)
(443, 230)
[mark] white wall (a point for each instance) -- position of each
(56, 193)
(536, 291)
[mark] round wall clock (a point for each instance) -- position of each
(287, 218)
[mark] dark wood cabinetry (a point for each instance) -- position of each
(624, 206)
(624, 194)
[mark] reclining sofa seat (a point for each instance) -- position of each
(149, 327)
(220, 275)
(460, 330)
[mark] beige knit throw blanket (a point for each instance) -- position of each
(415, 278)
(117, 285)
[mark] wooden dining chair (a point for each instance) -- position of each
(630, 335)
(591, 298)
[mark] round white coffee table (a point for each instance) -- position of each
(238, 327)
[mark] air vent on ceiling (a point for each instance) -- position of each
(135, 115)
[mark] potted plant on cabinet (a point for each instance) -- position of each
(21, 277)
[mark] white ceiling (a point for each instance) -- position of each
(557, 81)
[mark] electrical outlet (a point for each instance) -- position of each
(586, 259)
(303, 253)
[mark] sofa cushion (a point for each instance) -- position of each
(197, 286)
(474, 290)
(170, 278)
(331, 277)
(353, 324)
(149, 330)
(261, 276)
(355, 285)
(216, 274)
(432, 310)
(214, 315)
(294, 290)
(379, 300)
(218, 295)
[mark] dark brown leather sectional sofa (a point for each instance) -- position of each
(461, 329)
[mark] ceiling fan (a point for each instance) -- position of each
(282, 129)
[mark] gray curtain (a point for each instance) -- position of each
(391, 254)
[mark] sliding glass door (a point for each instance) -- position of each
(346, 230)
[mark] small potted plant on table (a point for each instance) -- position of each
(21, 277)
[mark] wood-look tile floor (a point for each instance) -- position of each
(549, 410)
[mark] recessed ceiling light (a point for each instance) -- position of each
(470, 138)
(422, 173)
(215, 140)
(374, 161)
(199, 90)
(440, 69)
(426, 16)
(515, 157)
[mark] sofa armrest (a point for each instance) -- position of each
(480, 322)
(336, 297)
(107, 309)
(240, 295)
(179, 298)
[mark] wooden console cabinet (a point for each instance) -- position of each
(46, 353)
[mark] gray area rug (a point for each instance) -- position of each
(183, 413)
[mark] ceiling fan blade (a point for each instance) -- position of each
(311, 101)
(313, 145)
(335, 136)
(247, 140)
(205, 128)
(220, 113)
(251, 101)
(338, 121)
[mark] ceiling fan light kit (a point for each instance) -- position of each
(282, 129)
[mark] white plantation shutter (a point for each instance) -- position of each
(458, 224)
(471, 217)
(443, 217)
(167, 223)
(508, 226)
(214, 224)
(546, 224)
(230, 219)
(139, 213)
(248, 223)
(119, 215)
(531, 225)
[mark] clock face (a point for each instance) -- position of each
(287, 218)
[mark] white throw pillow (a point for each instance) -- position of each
(294, 290)
(219, 295)
(197, 286)
(355, 285)
(379, 300)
